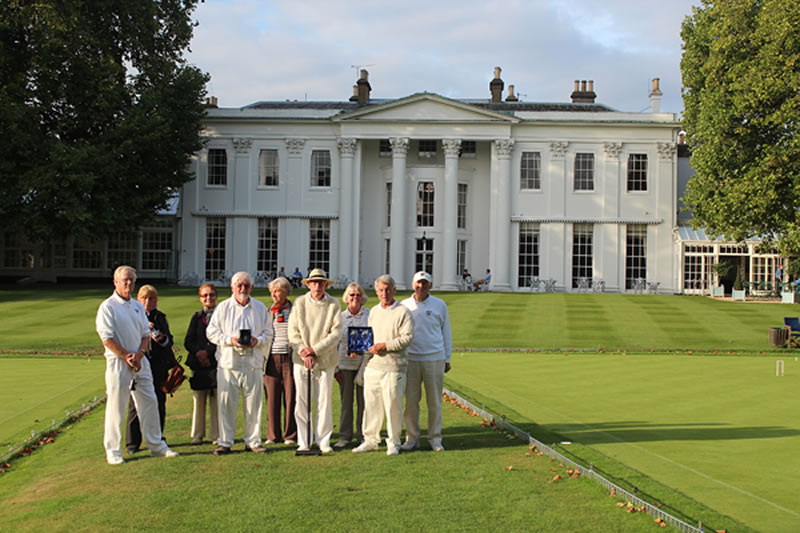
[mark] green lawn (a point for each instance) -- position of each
(709, 435)
(36, 391)
(67, 485)
(722, 430)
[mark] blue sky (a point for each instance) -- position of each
(305, 49)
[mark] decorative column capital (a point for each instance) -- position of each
(503, 147)
(558, 149)
(242, 144)
(451, 147)
(666, 150)
(613, 149)
(295, 146)
(399, 145)
(347, 146)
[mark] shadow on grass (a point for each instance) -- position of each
(636, 431)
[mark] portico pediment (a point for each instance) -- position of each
(426, 107)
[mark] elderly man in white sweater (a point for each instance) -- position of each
(385, 374)
(315, 326)
(428, 360)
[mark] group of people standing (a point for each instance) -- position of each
(294, 351)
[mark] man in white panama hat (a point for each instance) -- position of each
(315, 327)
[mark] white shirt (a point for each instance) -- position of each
(228, 319)
(432, 340)
(123, 320)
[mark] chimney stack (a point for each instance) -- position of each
(496, 86)
(511, 96)
(655, 97)
(211, 101)
(363, 87)
(354, 98)
(583, 94)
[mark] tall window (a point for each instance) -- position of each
(461, 215)
(87, 254)
(584, 172)
(637, 172)
(384, 148)
(528, 253)
(17, 251)
(468, 149)
(217, 167)
(157, 246)
(267, 245)
(387, 255)
(268, 168)
(581, 252)
(424, 257)
(122, 249)
(530, 171)
(425, 204)
(427, 148)
(461, 256)
(388, 204)
(319, 245)
(215, 248)
(320, 168)
(635, 254)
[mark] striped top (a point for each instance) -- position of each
(280, 325)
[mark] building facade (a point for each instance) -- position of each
(575, 194)
(569, 196)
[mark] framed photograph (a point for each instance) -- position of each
(359, 339)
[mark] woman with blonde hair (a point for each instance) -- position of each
(354, 315)
(278, 378)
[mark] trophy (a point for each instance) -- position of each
(244, 337)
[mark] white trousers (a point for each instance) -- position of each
(431, 374)
(383, 394)
(199, 399)
(322, 390)
(231, 383)
(119, 377)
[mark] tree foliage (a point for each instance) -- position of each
(99, 110)
(741, 83)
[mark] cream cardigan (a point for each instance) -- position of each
(318, 326)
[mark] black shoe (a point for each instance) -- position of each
(222, 450)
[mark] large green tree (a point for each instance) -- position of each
(741, 93)
(99, 113)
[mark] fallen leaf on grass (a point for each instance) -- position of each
(509, 467)
(556, 478)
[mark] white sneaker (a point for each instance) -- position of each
(341, 444)
(115, 459)
(290, 442)
(436, 445)
(409, 445)
(392, 450)
(166, 452)
(326, 451)
(365, 447)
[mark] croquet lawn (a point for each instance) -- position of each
(722, 430)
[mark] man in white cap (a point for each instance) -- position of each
(315, 327)
(242, 330)
(428, 361)
(123, 328)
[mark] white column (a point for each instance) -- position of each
(347, 211)
(449, 280)
(501, 192)
(242, 254)
(397, 250)
(612, 180)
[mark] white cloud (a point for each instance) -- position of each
(304, 49)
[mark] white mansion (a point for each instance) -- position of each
(569, 196)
